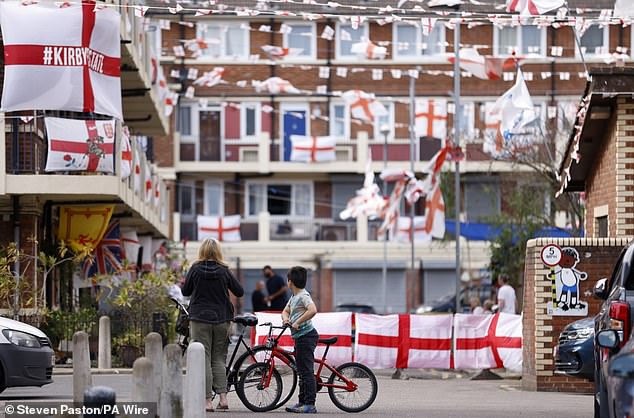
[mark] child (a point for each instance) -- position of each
(297, 313)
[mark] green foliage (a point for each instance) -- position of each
(61, 325)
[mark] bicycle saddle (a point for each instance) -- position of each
(248, 320)
(328, 341)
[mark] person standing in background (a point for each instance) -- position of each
(277, 289)
(258, 298)
(506, 295)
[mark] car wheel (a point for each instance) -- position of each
(3, 386)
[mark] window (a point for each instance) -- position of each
(467, 120)
(302, 36)
(346, 37)
(523, 39)
(225, 40)
(288, 199)
(595, 41)
(411, 42)
(186, 198)
(602, 227)
(214, 202)
(388, 120)
(339, 121)
(482, 199)
(250, 120)
(184, 120)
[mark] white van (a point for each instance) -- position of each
(26, 356)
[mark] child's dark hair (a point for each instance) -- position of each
(298, 275)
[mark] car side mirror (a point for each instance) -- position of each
(608, 338)
(622, 366)
(600, 290)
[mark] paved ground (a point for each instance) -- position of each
(438, 397)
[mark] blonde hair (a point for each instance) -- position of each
(210, 250)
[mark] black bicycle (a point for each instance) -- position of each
(251, 355)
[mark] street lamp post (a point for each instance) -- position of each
(385, 130)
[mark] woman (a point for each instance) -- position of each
(208, 283)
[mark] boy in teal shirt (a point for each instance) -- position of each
(298, 313)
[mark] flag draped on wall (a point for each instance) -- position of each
(80, 145)
(431, 118)
(222, 228)
(82, 227)
(311, 149)
(404, 230)
(107, 254)
(126, 153)
(64, 58)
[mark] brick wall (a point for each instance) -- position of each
(624, 168)
(541, 330)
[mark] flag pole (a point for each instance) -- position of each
(412, 150)
(456, 124)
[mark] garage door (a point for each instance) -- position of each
(365, 286)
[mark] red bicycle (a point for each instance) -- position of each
(352, 386)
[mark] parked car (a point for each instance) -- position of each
(619, 384)
(355, 308)
(26, 356)
(615, 315)
(445, 303)
(574, 355)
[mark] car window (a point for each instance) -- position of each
(616, 272)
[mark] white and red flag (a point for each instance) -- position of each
(148, 182)
(312, 149)
(137, 167)
(278, 53)
(431, 118)
(363, 105)
(404, 231)
(276, 85)
(210, 78)
(222, 228)
(514, 109)
(484, 67)
(130, 244)
(533, 7)
(367, 200)
(403, 341)
(493, 140)
(488, 341)
(61, 58)
(80, 145)
(369, 50)
(126, 153)
(435, 213)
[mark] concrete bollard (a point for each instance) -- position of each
(97, 397)
(82, 378)
(171, 399)
(104, 358)
(142, 376)
(194, 388)
(154, 352)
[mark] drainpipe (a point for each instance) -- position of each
(272, 98)
(16, 265)
(329, 65)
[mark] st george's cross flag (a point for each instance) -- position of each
(223, 228)
(126, 153)
(533, 7)
(64, 58)
(431, 118)
(80, 145)
(483, 67)
(363, 105)
(404, 230)
(312, 149)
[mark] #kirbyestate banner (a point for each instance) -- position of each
(80, 145)
(64, 58)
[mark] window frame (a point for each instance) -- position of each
(312, 38)
(292, 183)
(419, 41)
(223, 41)
(346, 120)
(192, 185)
(606, 43)
(542, 43)
(243, 120)
(484, 181)
(221, 186)
(378, 136)
(340, 26)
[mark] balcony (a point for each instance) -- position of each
(22, 173)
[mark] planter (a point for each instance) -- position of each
(128, 353)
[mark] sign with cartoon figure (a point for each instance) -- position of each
(565, 279)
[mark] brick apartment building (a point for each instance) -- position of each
(30, 198)
(229, 150)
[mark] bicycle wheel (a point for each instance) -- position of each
(253, 390)
(359, 399)
(287, 371)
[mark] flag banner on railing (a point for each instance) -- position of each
(82, 227)
(61, 58)
(80, 145)
(222, 228)
(403, 341)
(131, 245)
(126, 153)
(312, 149)
(327, 324)
(488, 341)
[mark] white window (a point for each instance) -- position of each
(302, 36)
(187, 198)
(467, 120)
(214, 201)
(386, 120)
(280, 199)
(410, 42)
(225, 40)
(250, 120)
(347, 36)
(339, 121)
(525, 39)
(595, 41)
(184, 122)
